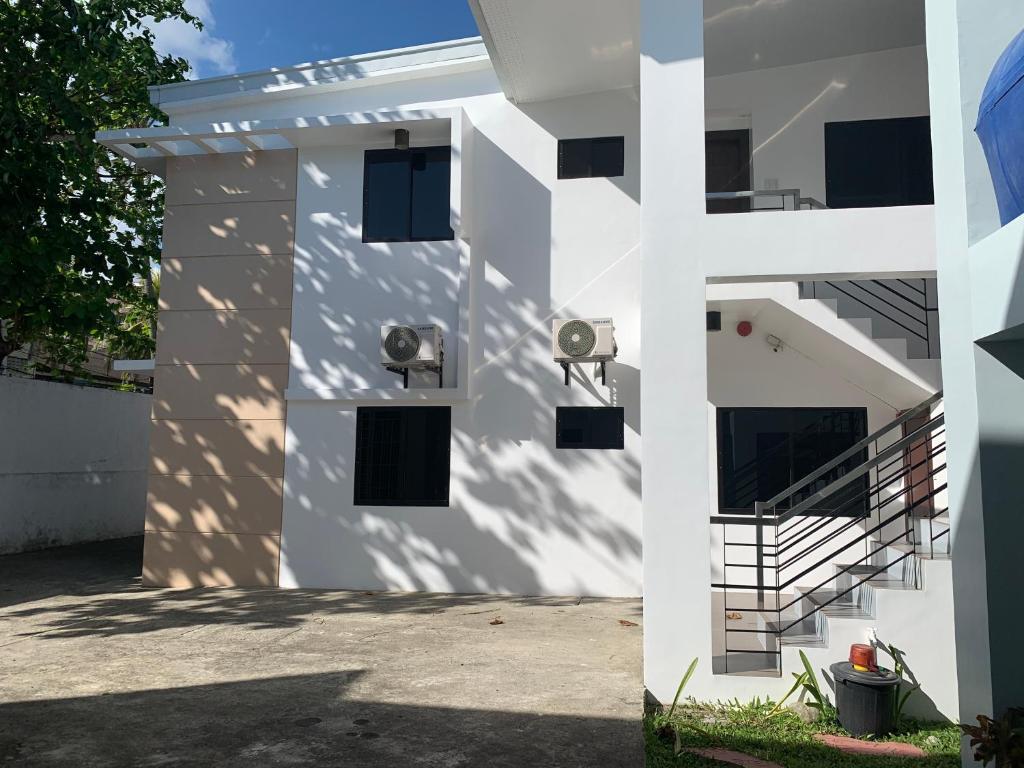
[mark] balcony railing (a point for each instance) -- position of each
(788, 199)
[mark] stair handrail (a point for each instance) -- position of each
(853, 450)
(863, 469)
(827, 467)
(889, 502)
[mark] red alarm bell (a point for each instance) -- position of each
(745, 328)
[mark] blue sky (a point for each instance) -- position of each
(243, 35)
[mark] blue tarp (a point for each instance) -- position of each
(1001, 129)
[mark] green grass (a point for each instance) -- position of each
(784, 739)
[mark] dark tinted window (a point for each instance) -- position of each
(873, 163)
(763, 451)
(580, 158)
(406, 194)
(589, 428)
(402, 456)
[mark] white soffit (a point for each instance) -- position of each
(149, 148)
(544, 49)
(743, 35)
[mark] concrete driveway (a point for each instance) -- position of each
(95, 671)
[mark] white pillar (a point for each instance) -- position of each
(676, 538)
(958, 369)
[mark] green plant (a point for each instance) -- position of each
(819, 700)
(682, 684)
(783, 740)
(1000, 740)
(899, 667)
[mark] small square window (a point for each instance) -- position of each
(406, 195)
(599, 428)
(584, 158)
(403, 456)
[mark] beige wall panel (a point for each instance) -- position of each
(219, 391)
(229, 229)
(224, 336)
(209, 560)
(226, 282)
(214, 504)
(216, 447)
(231, 177)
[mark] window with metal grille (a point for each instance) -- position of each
(403, 456)
(406, 195)
(600, 428)
(583, 158)
(763, 451)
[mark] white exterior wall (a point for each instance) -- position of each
(683, 249)
(73, 464)
(787, 108)
(979, 283)
(524, 517)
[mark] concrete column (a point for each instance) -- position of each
(970, 593)
(674, 363)
(999, 372)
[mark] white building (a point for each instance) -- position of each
(745, 189)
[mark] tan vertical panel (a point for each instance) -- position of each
(222, 336)
(229, 229)
(220, 391)
(226, 282)
(231, 177)
(217, 446)
(210, 559)
(193, 503)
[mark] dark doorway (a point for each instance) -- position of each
(727, 164)
(763, 451)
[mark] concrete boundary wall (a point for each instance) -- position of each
(72, 463)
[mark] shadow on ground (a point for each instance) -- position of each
(96, 671)
(297, 720)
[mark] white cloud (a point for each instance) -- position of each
(209, 55)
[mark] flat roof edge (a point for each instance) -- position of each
(346, 68)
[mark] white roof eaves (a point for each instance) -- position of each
(350, 71)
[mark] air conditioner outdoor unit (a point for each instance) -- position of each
(583, 341)
(411, 346)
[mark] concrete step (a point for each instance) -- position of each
(867, 573)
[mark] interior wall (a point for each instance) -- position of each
(524, 516)
(789, 106)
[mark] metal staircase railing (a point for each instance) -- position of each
(907, 304)
(815, 543)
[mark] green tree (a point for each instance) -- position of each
(79, 226)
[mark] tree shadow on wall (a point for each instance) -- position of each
(517, 503)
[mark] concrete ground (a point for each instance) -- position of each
(96, 671)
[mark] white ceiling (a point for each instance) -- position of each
(741, 35)
(543, 49)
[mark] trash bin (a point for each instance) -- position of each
(864, 700)
(1000, 129)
